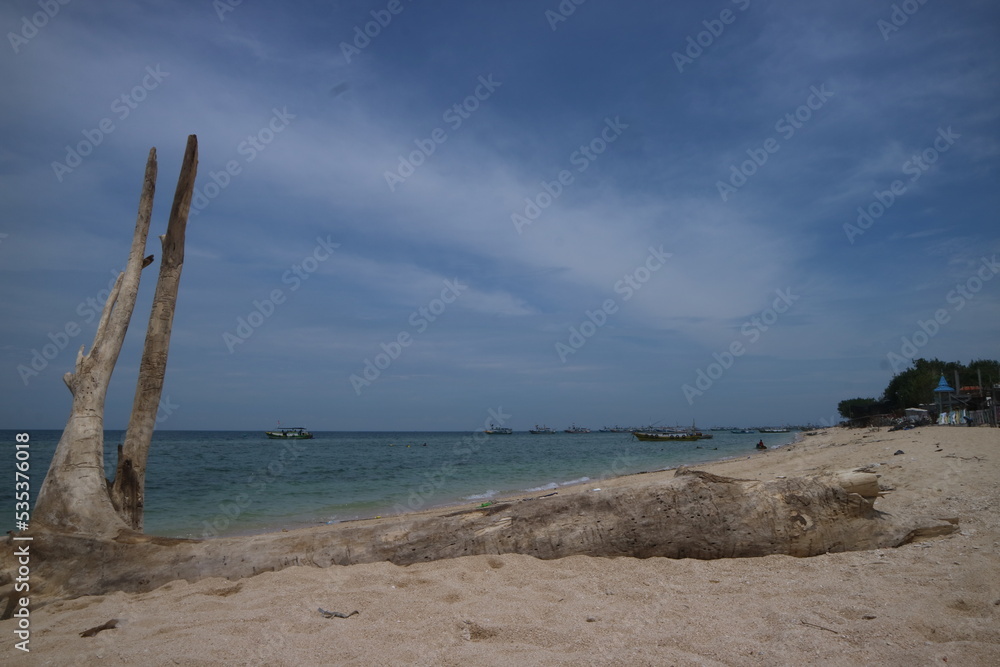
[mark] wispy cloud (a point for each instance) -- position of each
(269, 194)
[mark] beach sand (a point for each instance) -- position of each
(931, 602)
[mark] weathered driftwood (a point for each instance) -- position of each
(129, 486)
(75, 497)
(864, 484)
(694, 515)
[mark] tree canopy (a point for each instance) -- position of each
(915, 386)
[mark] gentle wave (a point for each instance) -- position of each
(547, 487)
(555, 485)
(482, 496)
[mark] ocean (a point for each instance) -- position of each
(218, 483)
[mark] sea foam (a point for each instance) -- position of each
(482, 496)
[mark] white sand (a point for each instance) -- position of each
(934, 602)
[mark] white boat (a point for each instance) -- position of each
(293, 433)
(681, 436)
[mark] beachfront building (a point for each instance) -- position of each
(943, 393)
(970, 405)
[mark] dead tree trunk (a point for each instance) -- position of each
(695, 515)
(75, 496)
(128, 489)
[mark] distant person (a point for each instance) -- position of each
(761, 445)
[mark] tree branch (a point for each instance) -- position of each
(128, 488)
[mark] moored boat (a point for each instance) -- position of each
(577, 429)
(538, 430)
(293, 433)
(499, 430)
(698, 434)
(680, 436)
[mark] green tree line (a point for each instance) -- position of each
(915, 386)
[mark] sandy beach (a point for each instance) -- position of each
(930, 602)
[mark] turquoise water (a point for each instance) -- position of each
(209, 483)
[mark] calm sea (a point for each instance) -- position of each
(209, 483)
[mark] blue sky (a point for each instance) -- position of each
(736, 212)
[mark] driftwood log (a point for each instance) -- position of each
(693, 515)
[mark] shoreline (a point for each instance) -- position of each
(456, 503)
(935, 600)
(256, 487)
(730, 465)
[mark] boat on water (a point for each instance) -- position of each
(293, 433)
(577, 429)
(499, 430)
(677, 433)
(699, 435)
(743, 430)
(681, 436)
(773, 430)
(541, 430)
